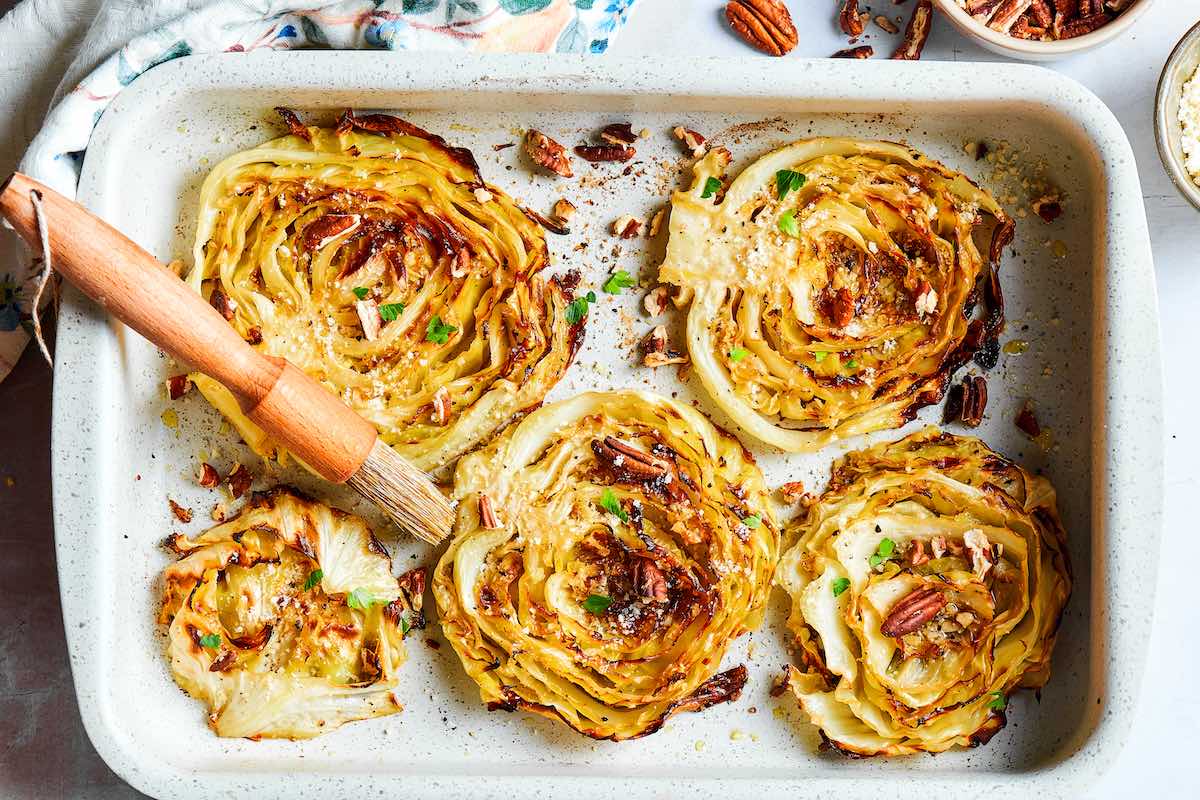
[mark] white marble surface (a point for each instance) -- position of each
(1167, 724)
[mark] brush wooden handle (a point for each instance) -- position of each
(129, 283)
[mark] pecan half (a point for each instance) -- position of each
(850, 18)
(182, 514)
(209, 478)
(763, 24)
(916, 33)
(620, 133)
(862, 51)
(628, 458)
(912, 612)
(178, 386)
(656, 349)
(691, 140)
(653, 582)
(239, 480)
(967, 401)
(487, 515)
(548, 153)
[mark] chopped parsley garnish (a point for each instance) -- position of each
(361, 292)
(619, 280)
(840, 585)
(313, 579)
(820, 355)
(437, 331)
(752, 521)
(786, 180)
(610, 503)
(885, 550)
(405, 626)
(852, 364)
(998, 702)
(738, 353)
(360, 599)
(210, 640)
(787, 224)
(389, 311)
(711, 187)
(579, 308)
(597, 603)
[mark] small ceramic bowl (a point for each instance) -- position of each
(1181, 66)
(1031, 50)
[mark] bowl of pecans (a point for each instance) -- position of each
(1042, 30)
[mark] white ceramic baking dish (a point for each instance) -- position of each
(1080, 293)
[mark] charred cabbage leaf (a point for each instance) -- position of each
(373, 257)
(835, 287)
(927, 585)
(286, 620)
(602, 563)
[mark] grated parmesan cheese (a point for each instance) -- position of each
(1189, 118)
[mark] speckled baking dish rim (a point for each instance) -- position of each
(1125, 407)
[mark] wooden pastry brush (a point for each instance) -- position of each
(304, 416)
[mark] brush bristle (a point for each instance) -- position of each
(405, 493)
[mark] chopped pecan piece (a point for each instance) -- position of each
(1027, 421)
(441, 406)
(916, 33)
(239, 480)
(628, 459)
(981, 552)
(656, 349)
(627, 227)
(862, 51)
(967, 401)
(656, 222)
(178, 386)
(1006, 15)
(487, 515)
(223, 303)
(918, 555)
(656, 300)
(564, 210)
(850, 18)
(1042, 14)
(691, 140)
(368, 315)
(219, 512)
(927, 299)
(294, 125)
(182, 514)
(793, 491)
(1048, 207)
(1083, 25)
(598, 153)
(885, 23)
(254, 335)
(548, 153)
(209, 478)
(912, 612)
(620, 134)
(763, 24)
(482, 194)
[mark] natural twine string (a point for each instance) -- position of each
(47, 270)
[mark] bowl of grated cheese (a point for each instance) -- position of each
(1177, 116)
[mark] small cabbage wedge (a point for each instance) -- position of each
(833, 286)
(927, 583)
(607, 550)
(286, 619)
(374, 258)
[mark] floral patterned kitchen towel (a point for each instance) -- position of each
(519, 26)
